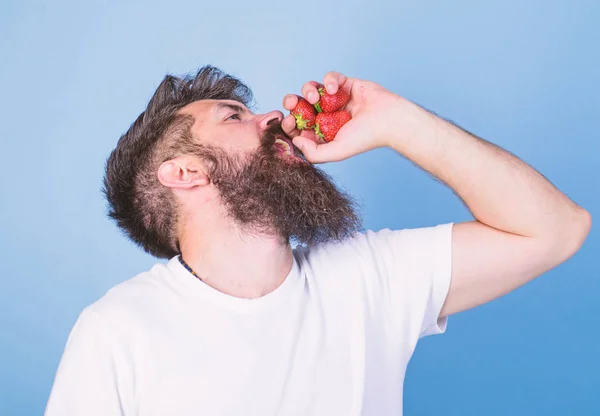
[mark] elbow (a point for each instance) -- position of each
(572, 234)
(581, 228)
(586, 226)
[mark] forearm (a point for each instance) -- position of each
(500, 190)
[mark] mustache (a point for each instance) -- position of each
(273, 131)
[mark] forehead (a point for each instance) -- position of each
(211, 109)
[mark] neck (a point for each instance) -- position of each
(236, 263)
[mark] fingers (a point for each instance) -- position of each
(290, 101)
(320, 153)
(309, 91)
(288, 124)
(334, 81)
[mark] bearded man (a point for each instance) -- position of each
(238, 320)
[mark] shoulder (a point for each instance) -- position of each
(405, 253)
(349, 259)
(356, 243)
(373, 244)
(136, 298)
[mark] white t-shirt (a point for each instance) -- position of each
(333, 339)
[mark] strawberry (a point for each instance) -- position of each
(304, 113)
(332, 102)
(328, 124)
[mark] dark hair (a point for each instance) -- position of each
(141, 206)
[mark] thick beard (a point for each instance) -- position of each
(268, 195)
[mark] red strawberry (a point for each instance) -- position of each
(328, 124)
(304, 113)
(332, 102)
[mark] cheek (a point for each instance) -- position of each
(242, 140)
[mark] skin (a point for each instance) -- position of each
(523, 225)
(242, 198)
(209, 239)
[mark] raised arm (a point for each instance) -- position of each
(523, 225)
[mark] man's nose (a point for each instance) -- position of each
(270, 118)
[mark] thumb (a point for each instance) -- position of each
(318, 153)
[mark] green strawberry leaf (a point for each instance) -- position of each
(318, 131)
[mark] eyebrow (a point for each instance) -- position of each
(235, 107)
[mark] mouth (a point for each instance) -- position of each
(285, 149)
(285, 146)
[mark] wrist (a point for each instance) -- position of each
(407, 121)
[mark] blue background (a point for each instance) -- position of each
(523, 75)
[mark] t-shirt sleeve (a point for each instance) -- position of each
(415, 265)
(86, 381)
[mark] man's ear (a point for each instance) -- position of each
(184, 172)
